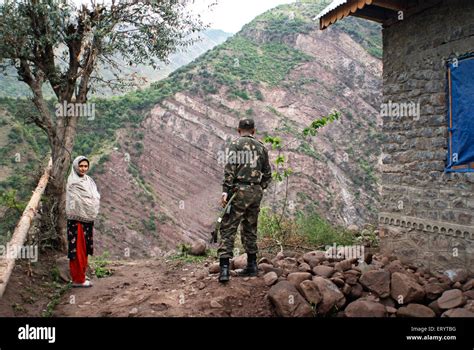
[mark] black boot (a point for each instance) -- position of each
(251, 269)
(224, 275)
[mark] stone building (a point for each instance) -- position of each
(426, 213)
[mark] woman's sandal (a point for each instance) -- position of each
(86, 284)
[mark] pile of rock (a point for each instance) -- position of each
(313, 284)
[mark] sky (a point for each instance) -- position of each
(231, 15)
(227, 15)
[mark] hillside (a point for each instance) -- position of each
(156, 150)
(11, 87)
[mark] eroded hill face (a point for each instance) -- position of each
(160, 185)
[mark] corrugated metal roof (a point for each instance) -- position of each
(330, 7)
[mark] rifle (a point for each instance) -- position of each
(226, 210)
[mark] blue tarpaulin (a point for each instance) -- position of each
(461, 115)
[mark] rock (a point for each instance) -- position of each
(264, 261)
(404, 289)
(296, 278)
(434, 306)
(288, 302)
(457, 275)
(457, 285)
(346, 290)
(388, 302)
(391, 310)
(324, 271)
(468, 285)
(415, 310)
(280, 256)
(469, 305)
(198, 248)
(288, 264)
(451, 298)
(469, 294)
(304, 267)
(444, 280)
(377, 281)
(353, 228)
(201, 285)
(344, 265)
(331, 296)
(62, 264)
(365, 308)
(214, 268)
(270, 268)
(338, 282)
(385, 261)
(270, 278)
(433, 290)
(459, 312)
(201, 274)
(133, 312)
(314, 258)
(395, 266)
(356, 291)
(310, 292)
(351, 278)
(240, 262)
(215, 304)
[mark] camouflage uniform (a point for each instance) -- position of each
(247, 172)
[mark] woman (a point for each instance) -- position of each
(82, 207)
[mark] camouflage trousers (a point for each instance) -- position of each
(244, 210)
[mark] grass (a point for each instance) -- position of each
(99, 265)
(60, 290)
(304, 230)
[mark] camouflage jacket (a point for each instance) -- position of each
(246, 162)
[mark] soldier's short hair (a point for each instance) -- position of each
(246, 123)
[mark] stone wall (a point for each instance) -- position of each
(426, 216)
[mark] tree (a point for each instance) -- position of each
(56, 43)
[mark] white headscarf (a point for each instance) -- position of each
(82, 197)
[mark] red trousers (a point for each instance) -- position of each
(78, 266)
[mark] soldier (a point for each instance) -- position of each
(247, 173)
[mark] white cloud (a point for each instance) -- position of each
(231, 15)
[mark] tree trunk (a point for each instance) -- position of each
(56, 191)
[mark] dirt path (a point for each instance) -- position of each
(165, 288)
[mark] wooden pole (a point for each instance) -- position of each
(7, 261)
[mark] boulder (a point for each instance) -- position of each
(356, 291)
(214, 268)
(324, 271)
(240, 262)
(331, 296)
(451, 298)
(433, 290)
(415, 310)
(296, 278)
(458, 312)
(198, 248)
(270, 278)
(404, 289)
(457, 275)
(304, 267)
(270, 268)
(314, 258)
(377, 281)
(310, 292)
(288, 302)
(365, 308)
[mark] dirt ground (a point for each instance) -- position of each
(142, 288)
